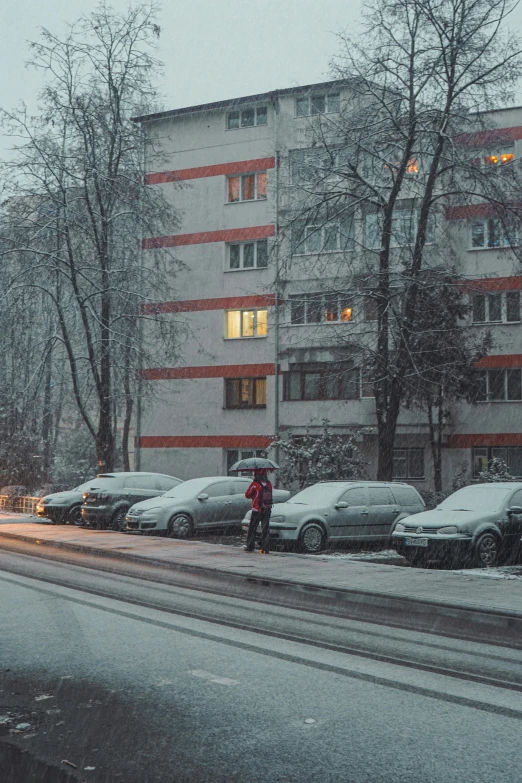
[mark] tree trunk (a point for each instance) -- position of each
(47, 419)
(129, 405)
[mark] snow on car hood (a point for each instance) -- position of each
(157, 502)
(69, 494)
(442, 518)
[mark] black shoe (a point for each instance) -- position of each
(247, 549)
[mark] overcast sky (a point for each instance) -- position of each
(212, 49)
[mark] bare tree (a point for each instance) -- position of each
(82, 208)
(403, 149)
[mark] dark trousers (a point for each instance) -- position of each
(255, 519)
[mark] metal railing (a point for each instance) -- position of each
(19, 505)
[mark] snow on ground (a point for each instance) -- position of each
(382, 554)
(501, 572)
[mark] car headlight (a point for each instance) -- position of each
(448, 531)
(277, 520)
(399, 528)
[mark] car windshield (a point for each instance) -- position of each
(188, 489)
(318, 495)
(478, 498)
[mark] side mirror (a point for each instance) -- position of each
(203, 497)
(341, 504)
(514, 511)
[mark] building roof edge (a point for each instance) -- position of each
(263, 96)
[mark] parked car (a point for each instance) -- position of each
(64, 508)
(480, 524)
(214, 501)
(342, 511)
(107, 500)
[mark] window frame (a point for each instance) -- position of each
(313, 95)
(486, 375)
(242, 310)
(486, 297)
(345, 237)
(488, 455)
(324, 373)
(241, 177)
(239, 112)
(242, 245)
(320, 299)
(252, 393)
(374, 245)
(409, 452)
(504, 242)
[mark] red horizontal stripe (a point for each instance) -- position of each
(482, 210)
(513, 283)
(218, 371)
(224, 303)
(204, 237)
(205, 441)
(498, 439)
(496, 135)
(216, 170)
(500, 362)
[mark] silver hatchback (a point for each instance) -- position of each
(342, 510)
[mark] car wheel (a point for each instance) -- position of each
(311, 539)
(486, 551)
(118, 519)
(181, 526)
(74, 517)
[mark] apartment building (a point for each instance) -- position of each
(251, 369)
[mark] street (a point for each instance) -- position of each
(134, 684)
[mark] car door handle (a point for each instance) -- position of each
(364, 513)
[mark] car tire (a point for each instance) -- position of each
(74, 517)
(180, 526)
(487, 549)
(311, 539)
(118, 519)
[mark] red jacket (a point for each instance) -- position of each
(255, 493)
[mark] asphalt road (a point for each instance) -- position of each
(139, 682)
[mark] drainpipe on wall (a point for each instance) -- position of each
(275, 104)
(139, 384)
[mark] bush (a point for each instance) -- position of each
(311, 458)
(75, 459)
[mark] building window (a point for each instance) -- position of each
(511, 455)
(408, 464)
(247, 118)
(491, 232)
(403, 228)
(247, 187)
(499, 385)
(329, 237)
(496, 308)
(320, 308)
(322, 382)
(317, 103)
(245, 392)
(248, 255)
(234, 455)
(311, 164)
(246, 323)
(499, 158)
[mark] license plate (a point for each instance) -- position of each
(416, 542)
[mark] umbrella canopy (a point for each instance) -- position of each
(253, 463)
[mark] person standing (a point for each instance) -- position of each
(260, 493)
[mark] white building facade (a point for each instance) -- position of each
(251, 369)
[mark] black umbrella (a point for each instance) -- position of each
(253, 463)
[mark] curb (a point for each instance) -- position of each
(423, 615)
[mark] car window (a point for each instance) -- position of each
(107, 482)
(240, 486)
(380, 496)
(317, 495)
(140, 482)
(219, 489)
(480, 497)
(516, 500)
(164, 483)
(406, 496)
(355, 497)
